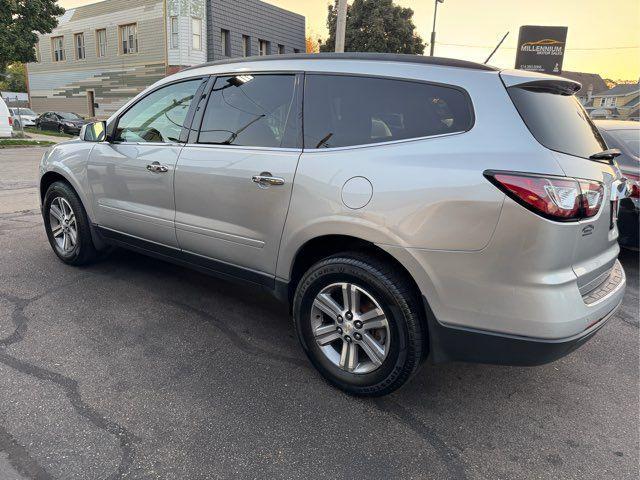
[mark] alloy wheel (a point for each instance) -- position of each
(350, 328)
(62, 221)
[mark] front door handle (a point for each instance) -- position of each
(155, 167)
(265, 180)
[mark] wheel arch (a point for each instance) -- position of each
(317, 248)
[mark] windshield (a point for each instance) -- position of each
(557, 121)
(69, 116)
(23, 111)
(626, 140)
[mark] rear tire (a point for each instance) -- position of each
(67, 225)
(387, 344)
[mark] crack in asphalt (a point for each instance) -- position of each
(236, 339)
(450, 457)
(70, 387)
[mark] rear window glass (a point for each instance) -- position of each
(558, 121)
(341, 111)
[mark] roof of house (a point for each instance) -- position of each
(589, 81)
(620, 90)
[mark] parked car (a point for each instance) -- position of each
(6, 122)
(403, 206)
(24, 116)
(63, 122)
(625, 136)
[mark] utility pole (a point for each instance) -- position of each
(433, 31)
(341, 25)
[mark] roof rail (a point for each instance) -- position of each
(381, 57)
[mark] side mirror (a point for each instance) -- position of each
(93, 132)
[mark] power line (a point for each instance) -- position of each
(626, 47)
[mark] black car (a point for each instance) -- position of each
(63, 122)
(625, 136)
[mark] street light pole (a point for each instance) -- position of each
(341, 25)
(433, 31)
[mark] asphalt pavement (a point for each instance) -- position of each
(135, 368)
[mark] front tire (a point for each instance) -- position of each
(359, 322)
(67, 225)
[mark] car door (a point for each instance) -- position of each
(234, 178)
(47, 121)
(131, 175)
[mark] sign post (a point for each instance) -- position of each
(541, 49)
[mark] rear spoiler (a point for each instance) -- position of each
(539, 81)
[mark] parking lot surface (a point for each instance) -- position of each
(135, 368)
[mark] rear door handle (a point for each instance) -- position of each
(265, 180)
(155, 167)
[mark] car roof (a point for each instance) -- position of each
(617, 125)
(382, 57)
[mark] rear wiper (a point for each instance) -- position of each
(608, 155)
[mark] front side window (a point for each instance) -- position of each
(101, 42)
(159, 116)
(174, 32)
(57, 47)
(79, 41)
(129, 38)
(342, 111)
(196, 33)
(248, 110)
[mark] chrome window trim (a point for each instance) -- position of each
(242, 147)
(390, 142)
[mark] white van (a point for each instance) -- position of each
(6, 121)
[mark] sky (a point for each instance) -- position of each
(598, 40)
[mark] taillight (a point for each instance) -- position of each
(592, 195)
(10, 121)
(633, 182)
(562, 199)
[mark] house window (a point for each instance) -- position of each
(280, 49)
(129, 38)
(78, 40)
(296, 50)
(225, 42)
(264, 48)
(174, 32)
(57, 48)
(101, 42)
(246, 45)
(37, 52)
(196, 33)
(608, 102)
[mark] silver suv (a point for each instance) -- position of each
(404, 206)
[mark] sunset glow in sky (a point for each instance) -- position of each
(603, 36)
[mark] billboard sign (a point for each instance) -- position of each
(541, 49)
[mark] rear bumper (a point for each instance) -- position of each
(469, 345)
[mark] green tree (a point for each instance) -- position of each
(375, 26)
(20, 22)
(14, 78)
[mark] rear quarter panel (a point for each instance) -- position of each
(428, 193)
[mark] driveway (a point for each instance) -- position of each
(135, 368)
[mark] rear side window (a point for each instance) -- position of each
(342, 111)
(254, 111)
(557, 121)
